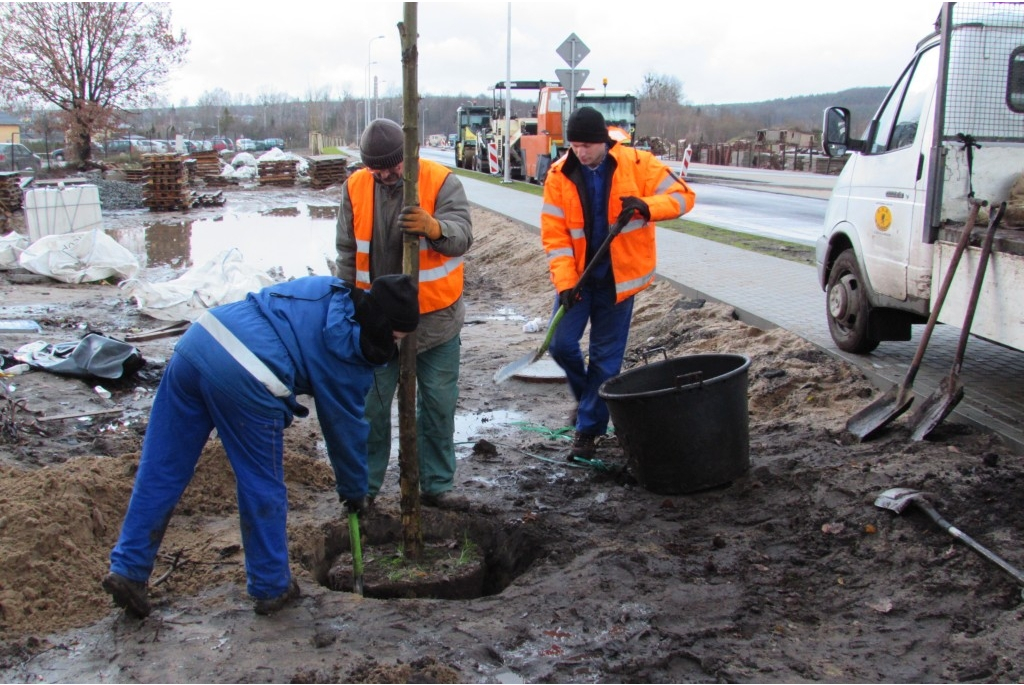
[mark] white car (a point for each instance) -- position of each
(245, 145)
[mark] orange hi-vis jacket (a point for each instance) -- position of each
(564, 231)
(440, 277)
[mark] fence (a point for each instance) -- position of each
(778, 156)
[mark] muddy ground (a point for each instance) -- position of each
(788, 573)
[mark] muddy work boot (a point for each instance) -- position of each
(583, 446)
(265, 607)
(445, 500)
(130, 595)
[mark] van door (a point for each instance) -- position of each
(888, 194)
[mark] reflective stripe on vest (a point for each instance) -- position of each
(440, 277)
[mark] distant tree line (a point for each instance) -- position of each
(83, 72)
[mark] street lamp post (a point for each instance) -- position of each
(369, 62)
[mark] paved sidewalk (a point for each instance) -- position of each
(767, 291)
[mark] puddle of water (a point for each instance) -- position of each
(292, 241)
(468, 429)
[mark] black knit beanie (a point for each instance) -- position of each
(376, 340)
(586, 125)
(382, 144)
(395, 296)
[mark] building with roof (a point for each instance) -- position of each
(10, 128)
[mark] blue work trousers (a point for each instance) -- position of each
(609, 330)
(437, 393)
(185, 411)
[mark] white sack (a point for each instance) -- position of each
(225, 278)
(81, 257)
(11, 245)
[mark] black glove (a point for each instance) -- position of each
(566, 299)
(356, 506)
(635, 204)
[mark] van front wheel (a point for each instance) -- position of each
(847, 306)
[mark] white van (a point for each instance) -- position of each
(950, 129)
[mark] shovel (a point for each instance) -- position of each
(950, 391)
(357, 553)
(511, 369)
(897, 400)
(898, 499)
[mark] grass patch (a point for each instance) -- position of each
(437, 560)
(794, 252)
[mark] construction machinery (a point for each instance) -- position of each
(470, 120)
(537, 140)
(540, 149)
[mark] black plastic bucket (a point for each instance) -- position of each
(683, 423)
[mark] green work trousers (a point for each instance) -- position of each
(437, 392)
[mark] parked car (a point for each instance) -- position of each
(120, 147)
(187, 146)
(245, 145)
(17, 157)
(58, 154)
(220, 144)
(148, 146)
(274, 142)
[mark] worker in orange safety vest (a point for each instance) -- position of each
(372, 223)
(596, 182)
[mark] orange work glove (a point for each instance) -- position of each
(417, 221)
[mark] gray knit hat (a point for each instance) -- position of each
(586, 125)
(382, 144)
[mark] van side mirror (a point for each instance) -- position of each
(835, 136)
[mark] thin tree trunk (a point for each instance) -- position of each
(408, 453)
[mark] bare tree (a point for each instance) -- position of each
(92, 60)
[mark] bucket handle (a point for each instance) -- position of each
(646, 354)
(689, 379)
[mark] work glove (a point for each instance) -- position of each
(356, 506)
(634, 204)
(566, 299)
(417, 221)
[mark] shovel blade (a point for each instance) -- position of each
(936, 408)
(512, 368)
(880, 413)
(897, 499)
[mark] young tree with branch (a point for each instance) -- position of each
(94, 61)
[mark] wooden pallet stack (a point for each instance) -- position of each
(327, 170)
(10, 191)
(166, 188)
(207, 165)
(280, 172)
(135, 175)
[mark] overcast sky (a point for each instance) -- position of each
(720, 52)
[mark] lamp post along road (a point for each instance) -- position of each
(369, 62)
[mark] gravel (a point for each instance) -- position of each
(116, 195)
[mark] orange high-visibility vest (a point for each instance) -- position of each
(440, 277)
(633, 252)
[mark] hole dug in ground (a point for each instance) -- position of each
(465, 556)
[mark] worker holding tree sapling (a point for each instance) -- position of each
(596, 183)
(372, 224)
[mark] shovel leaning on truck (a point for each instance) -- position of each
(898, 499)
(940, 403)
(898, 399)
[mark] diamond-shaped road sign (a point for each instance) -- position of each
(573, 50)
